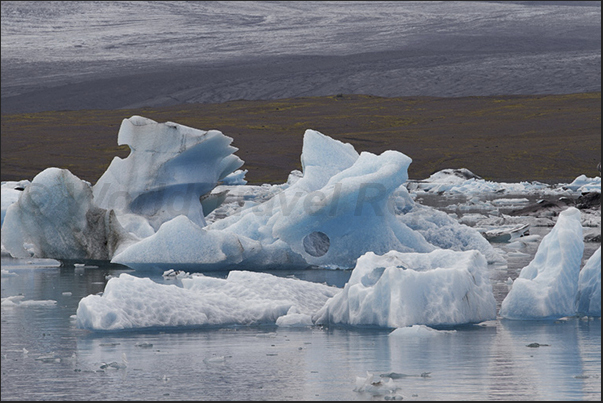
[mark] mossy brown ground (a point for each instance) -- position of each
(547, 138)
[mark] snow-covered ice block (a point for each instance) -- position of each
(440, 288)
(546, 288)
(294, 318)
(243, 298)
(56, 213)
(169, 168)
(588, 300)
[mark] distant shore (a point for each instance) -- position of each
(546, 138)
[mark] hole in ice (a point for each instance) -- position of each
(317, 244)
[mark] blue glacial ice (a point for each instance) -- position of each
(343, 205)
(170, 167)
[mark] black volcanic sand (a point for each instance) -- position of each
(547, 138)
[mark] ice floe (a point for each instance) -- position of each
(440, 288)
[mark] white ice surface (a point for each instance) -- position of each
(588, 299)
(243, 298)
(464, 182)
(440, 288)
(57, 215)
(10, 194)
(418, 332)
(547, 287)
(584, 184)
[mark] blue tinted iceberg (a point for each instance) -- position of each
(588, 300)
(338, 210)
(440, 288)
(170, 167)
(547, 287)
(243, 298)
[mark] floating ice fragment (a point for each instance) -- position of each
(395, 290)
(115, 364)
(419, 331)
(547, 287)
(375, 387)
(508, 234)
(215, 360)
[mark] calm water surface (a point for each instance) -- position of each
(45, 357)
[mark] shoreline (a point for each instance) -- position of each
(545, 138)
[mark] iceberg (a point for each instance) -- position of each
(336, 211)
(584, 184)
(436, 289)
(547, 287)
(170, 172)
(464, 182)
(445, 232)
(57, 215)
(588, 298)
(11, 191)
(243, 298)
(182, 241)
(180, 199)
(170, 167)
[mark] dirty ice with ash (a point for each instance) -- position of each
(179, 201)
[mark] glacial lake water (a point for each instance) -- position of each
(46, 357)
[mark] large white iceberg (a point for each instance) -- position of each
(547, 287)
(243, 298)
(440, 288)
(588, 299)
(57, 216)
